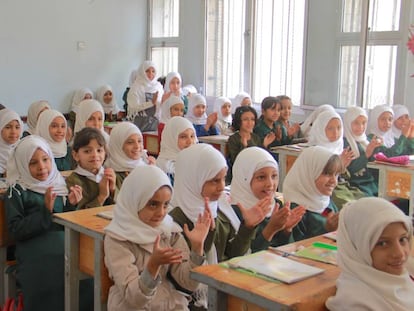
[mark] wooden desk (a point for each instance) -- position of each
(233, 290)
(84, 255)
(287, 156)
(395, 181)
(151, 143)
(217, 141)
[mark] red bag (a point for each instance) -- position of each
(10, 304)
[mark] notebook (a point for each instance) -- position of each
(319, 251)
(106, 214)
(273, 266)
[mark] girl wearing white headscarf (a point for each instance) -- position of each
(276, 228)
(222, 106)
(402, 126)
(359, 235)
(176, 130)
(146, 92)
(173, 106)
(33, 114)
(122, 134)
(105, 95)
(37, 191)
(355, 123)
(306, 126)
(327, 131)
(11, 127)
(53, 119)
(172, 86)
(241, 99)
(310, 183)
(131, 241)
(78, 96)
(197, 107)
(91, 112)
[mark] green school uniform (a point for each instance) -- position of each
(227, 241)
(90, 191)
(312, 224)
(235, 145)
(65, 163)
(120, 176)
(359, 174)
(344, 192)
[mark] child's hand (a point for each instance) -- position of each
(109, 173)
(162, 256)
(332, 222)
(295, 216)
(293, 129)
(151, 160)
(75, 194)
(211, 120)
(104, 191)
(255, 215)
(154, 98)
(347, 156)
(50, 198)
(199, 233)
(278, 132)
(69, 134)
(268, 139)
(277, 221)
(208, 211)
(374, 143)
(411, 127)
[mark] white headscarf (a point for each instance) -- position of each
(193, 101)
(249, 161)
(399, 111)
(6, 116)
(132, 77)
(34, 113)
(220, 101)
(195, 165)
(86, 109)
(112, 107)
(171, 75)
(59, 149)
(134, 195)
(117, 159)
(169, 141)
(189, 89)
(388, 136)
(238, 100)
(307, 124)
(361, 223)
(299, 185)
(350, 115)
(317, 135)
(79, 96)
(166, 106)
(18, 171)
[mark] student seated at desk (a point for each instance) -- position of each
(222, 106)
(145, 253)
(33, 113)
(255, 181)
(200, 171)
(179, 133)
(37, 191)
(355, 124)
(52, 127)
(98, 184)
(293, 130)
(105, 95)
(126, 151)
(310, 183)
(204, 126)
(374, 244)
(172, 107)
(78, 96)
(11, 127)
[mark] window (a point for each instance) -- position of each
(255, 46)
(163, 34)
(357, 63)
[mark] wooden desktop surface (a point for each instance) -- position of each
(246, 291)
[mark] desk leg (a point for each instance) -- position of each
(382, 183)
(3, 258)
(72, 273)
(99, 305)
(217, 301)
(282, 170)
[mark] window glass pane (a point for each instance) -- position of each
(164, 18)
(384, 15)
(166, 59)
(225, 47)
(351, 15)
(348, 76)
(379, 75)
(278, 49)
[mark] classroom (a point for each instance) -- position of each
(340, 53)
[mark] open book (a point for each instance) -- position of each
(273, 266)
